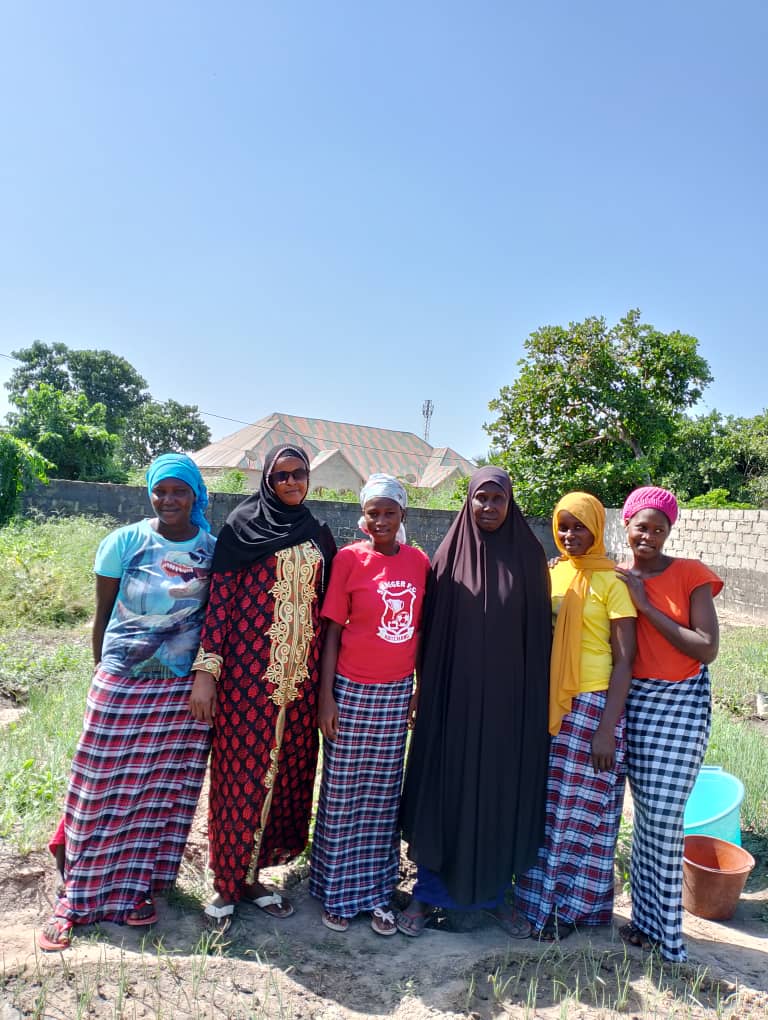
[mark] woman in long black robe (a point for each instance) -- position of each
(475, 788)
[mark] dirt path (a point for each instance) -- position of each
(296, 968)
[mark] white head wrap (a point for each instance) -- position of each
(381, 486)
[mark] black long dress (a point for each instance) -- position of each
(475, 788)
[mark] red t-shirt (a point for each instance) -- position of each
(670, 591)
(377, 600)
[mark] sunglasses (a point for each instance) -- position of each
(299, 475)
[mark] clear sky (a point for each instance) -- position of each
(339, 209)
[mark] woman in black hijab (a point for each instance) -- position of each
(256, 682)
(474, 797)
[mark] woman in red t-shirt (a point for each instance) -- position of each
(373, 614)
(668, 712)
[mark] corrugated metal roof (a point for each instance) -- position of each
(365, 447)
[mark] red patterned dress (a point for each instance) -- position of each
(264, 622)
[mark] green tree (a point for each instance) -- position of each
(100, 376)
(593, 408)
(20, 465)
(69, 432)
(156, 428)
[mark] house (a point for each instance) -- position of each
(342, 456)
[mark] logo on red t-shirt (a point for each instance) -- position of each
(396, 625)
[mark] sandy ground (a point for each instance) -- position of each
(296, 968)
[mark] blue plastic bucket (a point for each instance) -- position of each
(713, 808)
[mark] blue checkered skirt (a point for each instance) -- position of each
(667, 734)
(356, 847)
(572, 879)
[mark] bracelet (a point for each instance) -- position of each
(208, 662)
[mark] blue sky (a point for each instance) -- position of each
(340, 209)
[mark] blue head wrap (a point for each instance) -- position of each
(178, 465)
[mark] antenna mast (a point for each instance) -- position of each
(427, 409)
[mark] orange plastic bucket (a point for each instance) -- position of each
(714, 874)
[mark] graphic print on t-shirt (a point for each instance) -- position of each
(396, 624)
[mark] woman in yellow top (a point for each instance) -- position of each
(594, 646)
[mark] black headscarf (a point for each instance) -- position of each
(262, 524)
(475, 788)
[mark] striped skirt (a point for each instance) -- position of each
(136, 777)
(573, 878)
(356, 848)
(667, 733)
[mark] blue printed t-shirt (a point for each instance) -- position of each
(154, 629)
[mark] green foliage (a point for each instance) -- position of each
(20, 465)
(229, 481)
(36, 751)
(593, 408)
(716, 499)
(69, 432)
(155, 428)
(429, 499)
(743, 751)
(100, 376)
(335, 495)
(713, 452)
(46, 570)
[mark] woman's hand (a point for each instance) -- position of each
(202, 699)
(603, 750)
(636, 587)
(413, 706)
(328, 717)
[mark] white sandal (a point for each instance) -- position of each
(218, 915)
(273, 899)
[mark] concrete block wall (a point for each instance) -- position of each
(126, 503)
(734, 543)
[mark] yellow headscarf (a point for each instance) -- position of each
(565, 669)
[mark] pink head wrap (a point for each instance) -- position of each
(650, 497)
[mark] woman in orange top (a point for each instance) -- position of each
(668, 712)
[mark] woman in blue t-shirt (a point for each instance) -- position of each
(140, 761)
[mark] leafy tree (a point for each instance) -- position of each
(234, 481)
(20, 464)
(101, 376)
(69, 432)
(593, 408)
(156, 428)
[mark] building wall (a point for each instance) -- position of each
(733, 542)
(334, 473)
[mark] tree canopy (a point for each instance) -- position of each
(90, 413)
(593, 408)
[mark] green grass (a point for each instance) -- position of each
(742, 749)
(46, 570)
(35, 751)
(741, 669)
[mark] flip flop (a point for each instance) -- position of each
(334, 922)
(513, 923)
(143, 914)
(383, 922)
(274, 899)
(412, 925)
(554, 931)
(62, 935)
(634, 936)
(218, 916)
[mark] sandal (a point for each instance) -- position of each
(143, 914)
(218, 915)
(271, 903)
(412, 924)
(334, 921)
(56, 935)
(635, 936)
(512, 922)
(383, 922)
(554, 931)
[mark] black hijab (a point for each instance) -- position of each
(475, 788)
(262, 524)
